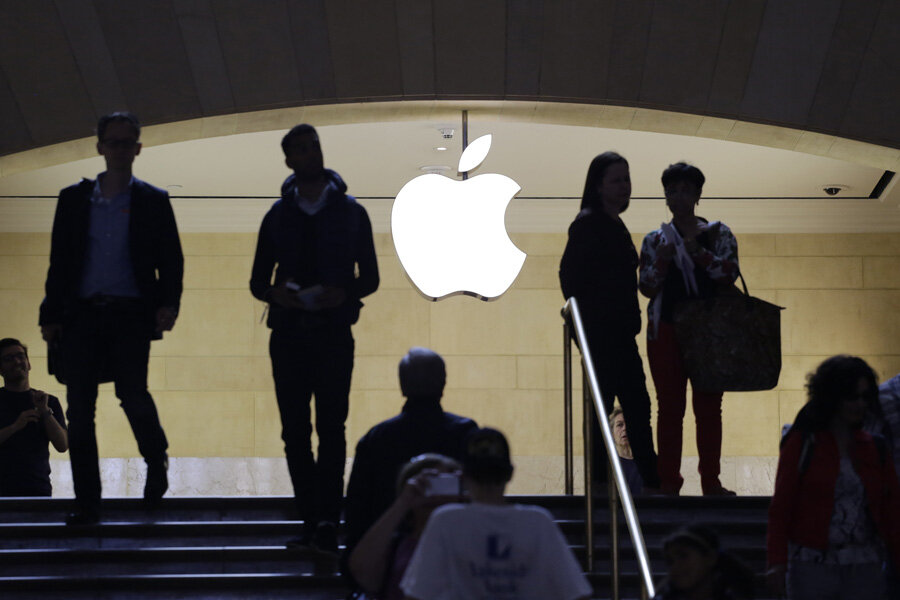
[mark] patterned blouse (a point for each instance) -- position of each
(719, 261)
(852, 538)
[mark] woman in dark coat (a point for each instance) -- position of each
(599, 268)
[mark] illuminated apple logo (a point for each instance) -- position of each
(450, 235)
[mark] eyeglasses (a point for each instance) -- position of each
(124, 144)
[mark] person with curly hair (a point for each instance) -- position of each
(836, 506)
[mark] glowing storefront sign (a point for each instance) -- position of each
(451, 236)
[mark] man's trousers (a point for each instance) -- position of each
(114, 339)
(314, 362)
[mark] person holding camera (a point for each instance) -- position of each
(491, 549)
(379, 560)
(29, 420)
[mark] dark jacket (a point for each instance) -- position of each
(802, 504)
(421, 427)
(343, 241)
(599, 268)
(152, 238)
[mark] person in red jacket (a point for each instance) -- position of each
(835, 514)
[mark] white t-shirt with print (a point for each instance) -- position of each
(493, 552)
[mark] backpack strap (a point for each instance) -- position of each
(806, 451)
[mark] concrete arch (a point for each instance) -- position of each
(545, 112)
(830, 67)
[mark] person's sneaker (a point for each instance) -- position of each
(157, 482)
(325, 538)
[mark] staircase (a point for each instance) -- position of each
(739, 521)
(233, 547)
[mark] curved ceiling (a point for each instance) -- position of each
(825, 66)
(224, 172)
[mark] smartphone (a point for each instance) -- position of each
(308, 297)
(443, 484)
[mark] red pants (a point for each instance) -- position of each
(671, 396)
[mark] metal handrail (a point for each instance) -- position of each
(593, 404)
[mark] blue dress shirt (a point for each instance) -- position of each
(108, 269)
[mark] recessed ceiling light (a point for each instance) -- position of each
(434, 168)
(440, 149)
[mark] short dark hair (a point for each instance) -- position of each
(296, 131)
(591, 196)
(118, 117)
(486, 457)
(699, 537)
(731, 578)
(7, 342)
(834, 381)
(682, 171)
(422, 374)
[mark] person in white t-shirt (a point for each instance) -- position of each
(490, 550)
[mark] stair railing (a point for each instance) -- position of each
(573, 330)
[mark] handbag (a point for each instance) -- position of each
(730, 342)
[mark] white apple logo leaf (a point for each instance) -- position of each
(475, 153)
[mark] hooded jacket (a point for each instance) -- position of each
(343, 241)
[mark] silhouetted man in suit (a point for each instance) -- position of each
(114, 283)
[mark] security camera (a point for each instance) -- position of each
(447, 132)
(833, 190)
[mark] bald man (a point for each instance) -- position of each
(422, 426)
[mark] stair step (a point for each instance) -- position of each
(226, 508)
(156, 561)
(211, 585)
(211, 508)
(233, 547)
(148, 534)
